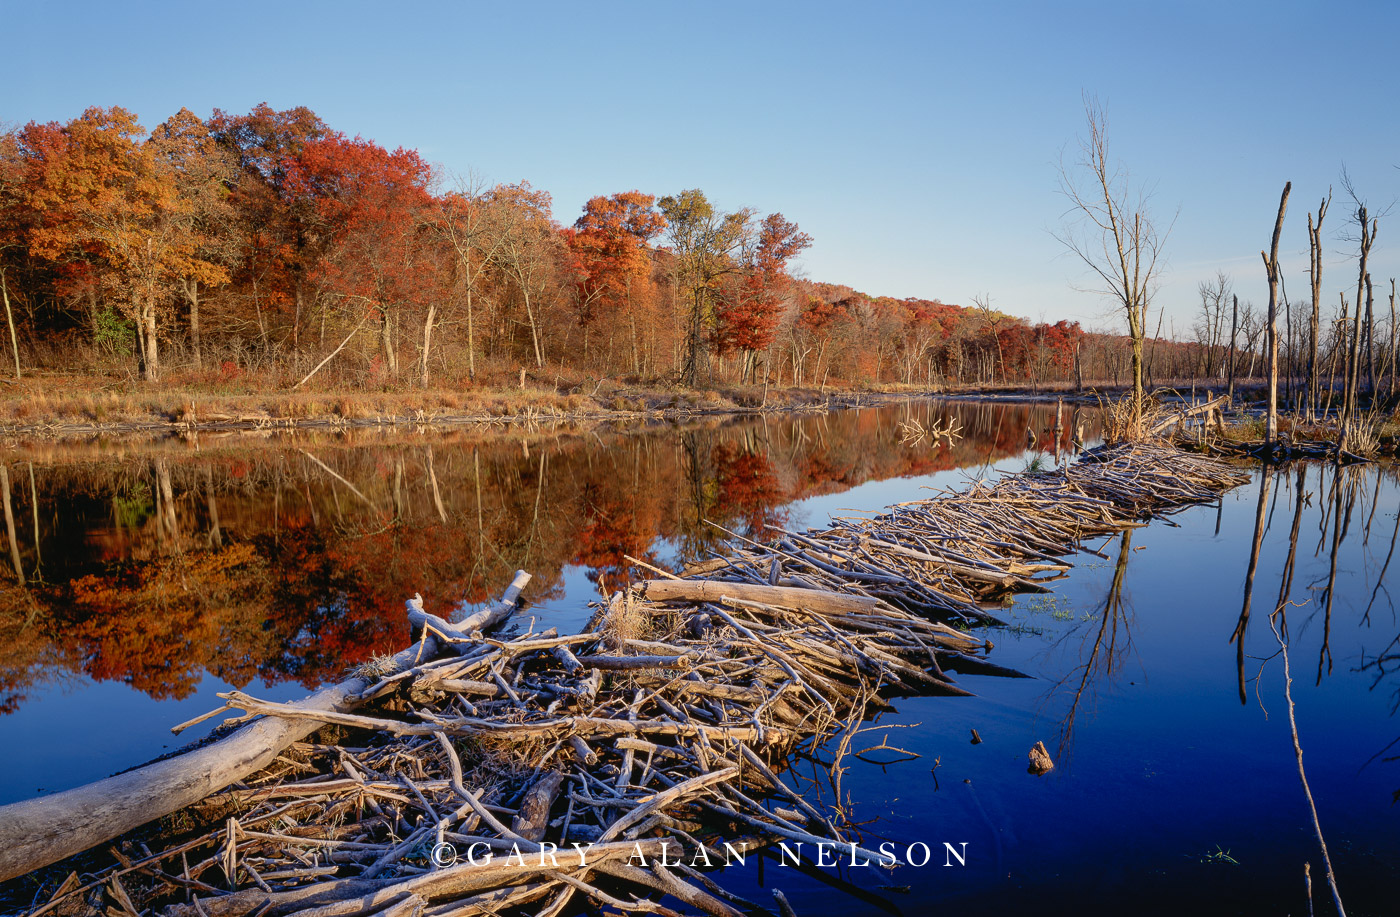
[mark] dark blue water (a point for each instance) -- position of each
(1169, 794)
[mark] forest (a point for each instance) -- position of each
(267, 250)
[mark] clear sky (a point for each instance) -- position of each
(917, 142)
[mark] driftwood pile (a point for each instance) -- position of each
(944, 556)
(475, 775)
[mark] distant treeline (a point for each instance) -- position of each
(268, 248)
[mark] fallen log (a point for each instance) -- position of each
(667, 590)
(37, 832)
(1181, 416)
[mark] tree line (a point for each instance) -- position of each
(270, 247)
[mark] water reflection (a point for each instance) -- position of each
(1345, 582)
(289, 559)
(1104, 649)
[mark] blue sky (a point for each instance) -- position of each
(918, 143)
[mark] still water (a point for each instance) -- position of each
(141, 578)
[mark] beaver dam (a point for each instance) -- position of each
(612, 769)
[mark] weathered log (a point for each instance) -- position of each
(623, 663)
(662, 590)
(1186, 413)
(461, 636)
(533, 817)
(37, 832)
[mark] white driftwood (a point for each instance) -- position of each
(662, 590)
(37, 832)
(460, 636)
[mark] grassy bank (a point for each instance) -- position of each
(59, 404)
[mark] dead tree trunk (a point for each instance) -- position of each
(1367, 239)
(1315, 278)
(1271, 329)
(1392, 337)
(1370, 341)
(1234, 333)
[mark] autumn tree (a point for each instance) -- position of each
(1113, 234)
(920, 329)
(113, 201)
(371, 207)
(748, 318)
(277, 245)
(203, 172)
(612, 261)
(528, 249)
(704, 241)
(13, 226)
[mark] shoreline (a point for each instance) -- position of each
(648, 406)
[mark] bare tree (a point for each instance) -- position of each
(475, 230)
(990, 319)
(1365, 238)
(1252, 327)
(1392, 354)
(1234, 335)
(1271, 329)
(1315, 277)
(1210, 328)
(1109, 229)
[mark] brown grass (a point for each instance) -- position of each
(1126, 419)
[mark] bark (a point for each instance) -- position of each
(1370, 340)
(190, 289)
(1315, 278)
(427, 343)
(1349, 402)
(1271, 329)
(10, 319)
(386, 337)
(152, 347)
(1392, 337)
(471, 338)
(1234, 334)
(665, 590)
(534, 331)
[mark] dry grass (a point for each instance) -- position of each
(625, 620)
(1128, 419)
(73, 403)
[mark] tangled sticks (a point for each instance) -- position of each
(512, 775)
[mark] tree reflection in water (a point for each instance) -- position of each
(1344, 486)
(289, 560)
(1104, 649)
